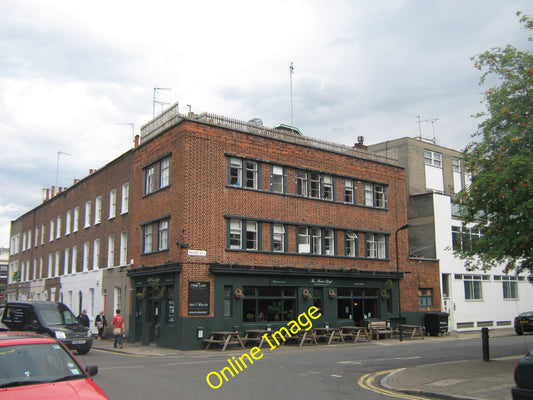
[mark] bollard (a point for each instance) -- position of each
(485, 343)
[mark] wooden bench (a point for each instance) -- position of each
(378, 328)
(410, 331)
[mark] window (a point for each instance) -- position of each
(329, 242)
(112, 203)
(29, 240)
(433, 158)
(278, 238)
(278, 179)
(228, 292)
(117, 298)
(66, 261)
(303, 240)
(251, 235)
(58, 227)
(301, 183)
(456, 165)
(124, 206)
(56, 264)
(74, 259)
(473, 288)
(510, 287)
(351, 244)
(327, 187)
(68, 222)
(463, 238)
(315, 184)
(14, 244)
(124, 248)
(86, 256)
(76, 219)
(157, 175)
(96, 254)
(98, 210)
(249, 238)
(349, 191)
(357, 304)
(264, 304)
(3, 271)
(52, 229)
(316, 241)
(235, 236)
(244, 173)
(375, 195)
(425, 298)
(155, 236)
(37, 236)
(111, 250)
(87, 214)
(375, 246)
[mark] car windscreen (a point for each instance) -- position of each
(56, 314)
(28, 364)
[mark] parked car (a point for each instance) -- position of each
(53, 319)
(524, 323)
(33, 366)
(523, 377)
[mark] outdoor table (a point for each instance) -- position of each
(301, 337)
(410, 331)
(356, 332)
(329, 333)
(256, 336)
(224, 338)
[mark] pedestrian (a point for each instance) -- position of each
(83, 319)
(118, 329)
(101, 324)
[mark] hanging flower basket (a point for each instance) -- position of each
(332, 294)
(238, 293)
(161, 293)
(141, 295)
(306, 294)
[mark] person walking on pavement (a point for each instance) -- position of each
(100, 323)
(83, 319)
(118, 329)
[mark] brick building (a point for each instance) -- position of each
(231, 224)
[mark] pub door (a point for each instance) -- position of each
(155, 320)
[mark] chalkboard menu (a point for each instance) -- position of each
(198, 298)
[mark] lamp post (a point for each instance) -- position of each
(404, 226)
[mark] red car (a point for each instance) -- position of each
(40, 367)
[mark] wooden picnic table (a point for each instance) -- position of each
(224, 338)
(255, 336)
(302, 337)
(410, 331)
(355, 332)
(329, 333)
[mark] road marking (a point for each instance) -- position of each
(367, 382)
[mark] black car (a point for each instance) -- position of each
(524, 323)
(53, 319)
(523, 377)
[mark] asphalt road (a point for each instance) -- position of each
(288, 372)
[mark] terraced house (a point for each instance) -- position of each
(232, 225)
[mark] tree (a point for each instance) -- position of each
(498, 204)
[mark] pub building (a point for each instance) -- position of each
(228, 225)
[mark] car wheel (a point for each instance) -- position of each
(84, 349)
(519, 331)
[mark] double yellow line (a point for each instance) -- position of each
(368, 382)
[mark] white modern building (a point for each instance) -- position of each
(473, 299)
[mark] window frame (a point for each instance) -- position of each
(157, 175)
(155, 236)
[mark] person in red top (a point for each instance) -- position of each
(118, 329)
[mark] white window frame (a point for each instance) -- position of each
(96, 253)
(111, 251)
(278, 238)
(76, 220)
(351, 244)
(87, 214)
(235, 236)
(304, 240)
(124, 248)
(252, 238)
(113, 203)
(125, 203)
(98, 210)
(433, 158)
(86, 255)
(68, 222)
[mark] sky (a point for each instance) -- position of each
(77, 80)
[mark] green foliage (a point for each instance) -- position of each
(499, 201)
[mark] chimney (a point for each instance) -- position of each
(136, 140)
(53, 191)
(360, 143)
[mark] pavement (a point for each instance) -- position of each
(460, 380)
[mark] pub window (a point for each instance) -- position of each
(357, 304)
(228, 291)
(266, 304)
